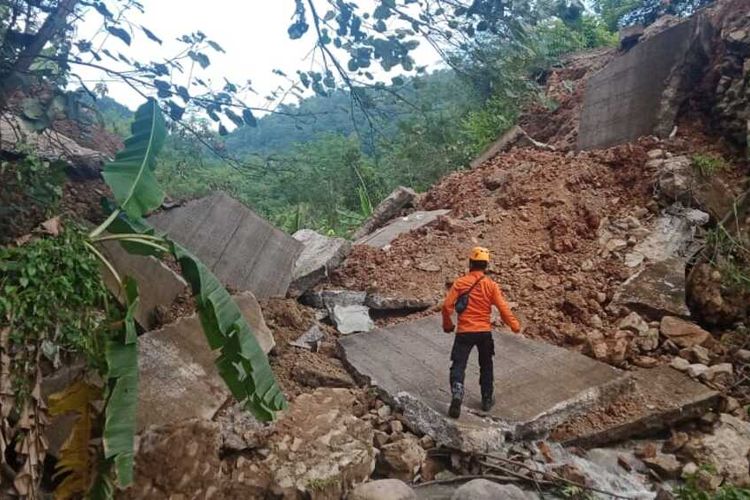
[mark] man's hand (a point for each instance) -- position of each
(448, 328)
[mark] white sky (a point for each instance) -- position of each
(253, 33)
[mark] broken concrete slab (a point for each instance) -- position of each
(656, 291)
(17, 137)
(537, 385)
(320, 255)
(662, 397)
(670, 236)
(327, 299)
(310, 339)
(626, 99)
(158, 285)
(378, 302)
(351, 319)
(400, 198)
(178, 377)
(242, 249)
(385, 235)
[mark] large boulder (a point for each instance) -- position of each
(401, 459)
(714, 302)
(320, 451)
(383, 489)
(726, 449)
(482, 489)
(320, 255)
(389, 208)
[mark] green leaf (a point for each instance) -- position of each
(242, 363)
(130, 176)
(122, 403)
(120, 33)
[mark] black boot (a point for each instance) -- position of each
(457, 397)
(488, 402)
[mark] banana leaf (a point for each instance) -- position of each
(122, 400)
(131, 175)
(242, 363)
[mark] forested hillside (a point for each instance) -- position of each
(325, 161)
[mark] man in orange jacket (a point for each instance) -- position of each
(472, 297)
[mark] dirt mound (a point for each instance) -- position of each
(539, 213)
(298, 370)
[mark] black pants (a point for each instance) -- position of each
(462, 346)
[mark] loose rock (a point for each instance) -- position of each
(401, 459)
(683, 333)
(482, 489)
(665, 466)
(383, 489)
(726, 449)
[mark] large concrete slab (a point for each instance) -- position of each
(241, 248)
(662, 397)
(537, 385)
(385, 235)
(626, 99)
(178, 377)
(158, 285)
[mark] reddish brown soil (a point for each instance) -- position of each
(540, 227)
(298, 370)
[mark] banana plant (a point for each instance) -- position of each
(241, 362)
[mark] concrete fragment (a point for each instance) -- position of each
(536, 384)
(482, 489)
(665, 398)
(382, 489)
(626, 99)
(310, 339)
(655, 291)
(327, 299)
(726, 449)
(386, 210)
(385, 235)
(683, 333)
(178, 377)
(243, 250)
(351, 319)
(158, 285)
(17, 137)
(320, 255)
(401, 459)
(380, 302)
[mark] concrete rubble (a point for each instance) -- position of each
(537, 385)
(158, 285)
(385, 235)
(386, 210)
(320, 256)
(17, 137)
(243, 250)
(351, 318)
(327, 299)
(178, 377)
(310, 340)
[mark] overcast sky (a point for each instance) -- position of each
(253, 33)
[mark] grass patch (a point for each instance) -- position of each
(708, 165)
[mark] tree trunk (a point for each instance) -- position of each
(55, 22)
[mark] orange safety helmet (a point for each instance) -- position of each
(479, 254)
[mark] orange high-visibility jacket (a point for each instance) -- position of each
(476, 318)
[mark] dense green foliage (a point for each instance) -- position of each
(322, 162)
